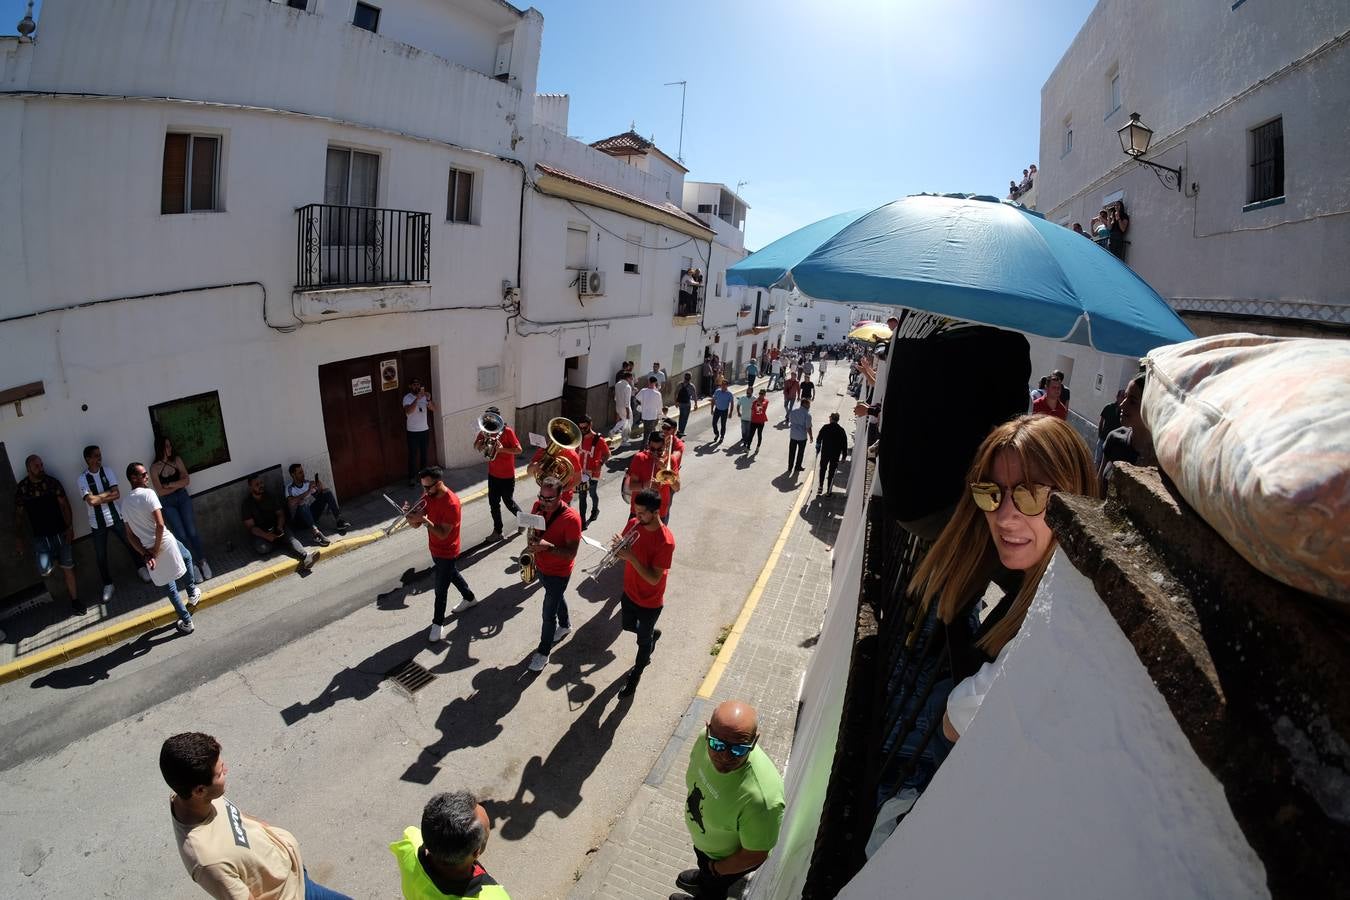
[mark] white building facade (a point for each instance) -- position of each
(1248, 101)
(248, 224)
(811, 321)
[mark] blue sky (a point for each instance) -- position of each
(818, 106)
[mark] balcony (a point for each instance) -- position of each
(689, 304)
(360, 246)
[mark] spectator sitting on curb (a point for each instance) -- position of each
(265, 521)
(308, 500)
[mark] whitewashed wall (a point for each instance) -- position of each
(1202, 76)
(1074, 780)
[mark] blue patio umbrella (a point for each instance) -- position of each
(983, 260)
(772, 266)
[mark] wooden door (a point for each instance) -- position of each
(365, 430)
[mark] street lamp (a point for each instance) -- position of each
(1135, 137)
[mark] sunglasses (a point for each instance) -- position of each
(1030, 500)
(717, 745)
(543, 499)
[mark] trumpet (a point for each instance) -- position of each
(404, 510)
(563, 434)
(667, 473)
(626, 540)
(490, 428)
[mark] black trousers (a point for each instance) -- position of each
(286, 543)
(640, 620)
(417, 447)
(501, 491)
(796, 454)
(830, 463)
(711, 886)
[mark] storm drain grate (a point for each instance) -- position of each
(409, 677)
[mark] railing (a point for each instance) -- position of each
(689, 303)
(347, 246)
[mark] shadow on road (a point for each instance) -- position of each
(472, 721)
(98, 669)
(482, 622)
(554, 784)
(358, 682)
(586, 652)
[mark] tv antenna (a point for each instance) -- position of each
(684, 86)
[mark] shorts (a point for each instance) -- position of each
(50, 549)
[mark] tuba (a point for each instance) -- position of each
(666, 473)
(563, 434)
(490, 428)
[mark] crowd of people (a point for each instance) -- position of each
(1017, 188)
(1108, 228)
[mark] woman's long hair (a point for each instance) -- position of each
(159, 448)
(963, 559)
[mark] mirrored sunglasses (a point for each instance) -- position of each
(717, 745)
(1030, 499)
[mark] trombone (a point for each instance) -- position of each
(404, 510)
(667, 474)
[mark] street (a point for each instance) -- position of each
(319, 743)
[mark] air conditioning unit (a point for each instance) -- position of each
(590, 283)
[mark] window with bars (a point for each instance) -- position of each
(189, 182)
(1266, 179)
(459, 204)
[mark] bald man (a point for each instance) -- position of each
(734, 806)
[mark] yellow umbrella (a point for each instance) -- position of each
(872, 332)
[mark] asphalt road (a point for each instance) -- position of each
(290, 678)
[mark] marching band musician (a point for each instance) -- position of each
(555, 553)
(594, 450)
(646, 564)
(541, 456)
(441, 515)
(641, 468)
(501, 474)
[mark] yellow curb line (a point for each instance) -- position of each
(705, 690)
(166, 615)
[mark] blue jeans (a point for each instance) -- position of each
(50, 549)
(101, 536)
(591, 487)
(447, 573)
(178, 516)
(171, 589)
(306, 514)
(719, 423)
(684, 417)
(788, 403)
(315, 891)
(555, 609)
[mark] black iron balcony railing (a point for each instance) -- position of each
(689, 303)
(347, 246)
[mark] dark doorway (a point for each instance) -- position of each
(364, 423)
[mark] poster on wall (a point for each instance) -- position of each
(388, 374)
(196, 427)
(362, 385)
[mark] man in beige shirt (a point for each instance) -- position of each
(228, 854)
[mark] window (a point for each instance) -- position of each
(797, 338)
(459, 204)
(1112, 90)
(189, 182)
(820, 335)
(799, 320)
(718, 287)
(1266, 152)
(301, 5)
(632, 249)
(367, 17)
(351, 177)
(576, 248)
(1068, 136)
(197, 428)
(705, 208)
(836, 320)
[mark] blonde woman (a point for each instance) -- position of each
(997, 534)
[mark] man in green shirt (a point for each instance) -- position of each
(734, 806)
(439, 861)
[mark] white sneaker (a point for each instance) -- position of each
(206, 570)
(561, 634)
(465, 605)
(107, 592)
(537, 662)
(194, 596)
(144, 573)
(185, 627)
(310, 559)
(436, 634)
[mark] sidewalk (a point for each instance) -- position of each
(41, 631)
(763, 666)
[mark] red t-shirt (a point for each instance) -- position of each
(640, 471)
(504, 465)
(594, 451)
(564, 528)
(576, 470)
(655, 549)
(1042, 406)
(790, 388)
(759, 410)
(443, 510)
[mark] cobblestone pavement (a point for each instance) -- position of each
(649, 845)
